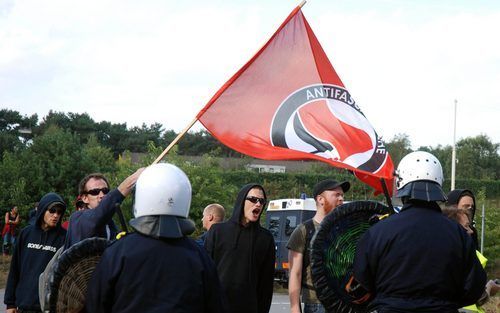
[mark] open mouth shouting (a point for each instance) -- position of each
(254, 204)
(256, 212)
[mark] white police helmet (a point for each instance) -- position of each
(419, 165)
(420, 176)
(162, 201)
(162, 189)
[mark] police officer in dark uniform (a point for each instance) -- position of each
(157, 268)
(418, 260)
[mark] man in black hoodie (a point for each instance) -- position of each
(244, 253)
(35, 247)
(463, 199)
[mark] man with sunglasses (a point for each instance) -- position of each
(96, 220)
(35, 247)
(244, 253)
(328, 194)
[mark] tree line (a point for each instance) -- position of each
(478, 157)
(55, 153)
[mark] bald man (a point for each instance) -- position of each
(212, 214)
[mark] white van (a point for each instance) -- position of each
(282, 217)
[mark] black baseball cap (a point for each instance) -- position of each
(329, 184)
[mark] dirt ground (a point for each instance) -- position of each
(4, 270)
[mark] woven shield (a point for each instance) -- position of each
(333, 250)
(70, 275)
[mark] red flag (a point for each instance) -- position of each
(288, 102)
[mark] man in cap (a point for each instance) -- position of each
(35, 247)
(96, 220)
(244, 253)
(157, 268)
(418, 260)
(328, 195)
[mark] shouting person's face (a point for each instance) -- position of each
(254, 204)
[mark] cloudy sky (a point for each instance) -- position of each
(404, 62)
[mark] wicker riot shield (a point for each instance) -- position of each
(70, 274)
(333, 250)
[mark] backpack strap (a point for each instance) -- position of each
(306, 261)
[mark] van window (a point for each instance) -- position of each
(290, 225)
(274, 226)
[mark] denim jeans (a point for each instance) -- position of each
(313, 308)
(8, 243)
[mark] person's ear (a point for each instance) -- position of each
(321, 199)
(210, 217)
(85, 198)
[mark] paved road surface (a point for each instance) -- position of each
(280, 303)
(2, 306)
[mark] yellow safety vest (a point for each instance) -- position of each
(473, 307)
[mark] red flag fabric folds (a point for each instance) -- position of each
(288, 102)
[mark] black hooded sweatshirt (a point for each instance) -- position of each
(244, 257)
(454, 197)
(33, 251)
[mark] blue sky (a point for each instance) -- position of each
(404, 62)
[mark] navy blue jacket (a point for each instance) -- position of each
(245, 260)
(33, 251)
(419, 261)
(92, 222)
(142, 274)
(201, 240)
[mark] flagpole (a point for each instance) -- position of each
(454, 151)
(302, 3)
(158, 159)
(386, 193)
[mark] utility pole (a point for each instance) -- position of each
(454, 151)
(482, 228)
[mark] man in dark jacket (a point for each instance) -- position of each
(408, 262)
(157, 268)
(212, 214)
(244, 253)
(35, 247)
(101, 203)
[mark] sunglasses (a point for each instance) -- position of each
(56, 210)
(97, 191)
(262, 201)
